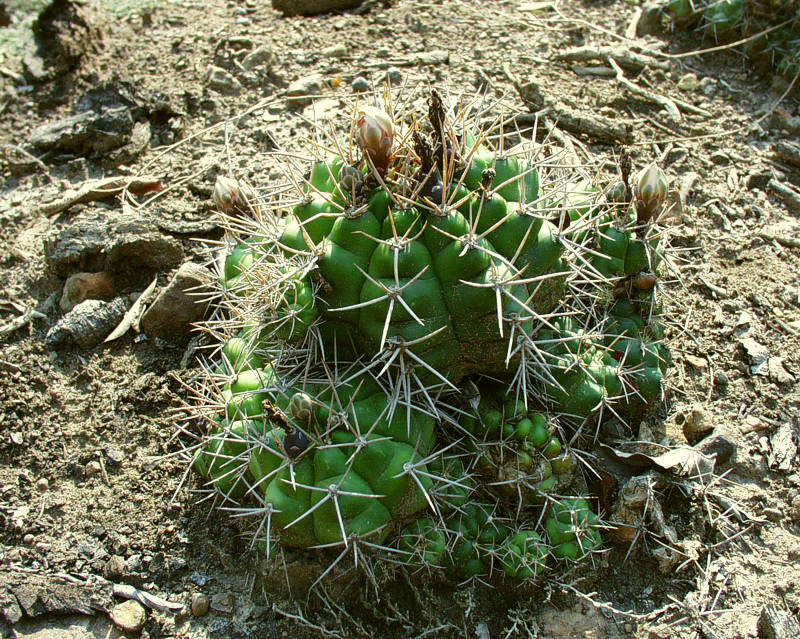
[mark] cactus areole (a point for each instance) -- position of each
(403, 347)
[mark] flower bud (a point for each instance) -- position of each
(649, 192)
(301, 407)
(232, 197)
(375, 135)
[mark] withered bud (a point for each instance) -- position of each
(644, 281)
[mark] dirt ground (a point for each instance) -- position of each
(91, 492)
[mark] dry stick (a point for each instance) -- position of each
(668, 105)
(32, 157)
(27, 317)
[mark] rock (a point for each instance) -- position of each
(698, 423)
(697, 362)
(200, 604)
(650, 20)
(360, 84)
(114, 568)
(183, 301)
(122, 243)
(718, 444)
(69, 627)
(129, 616)
(83, 286)
(337, 51)
(312, 7)
(776, 624)
(757, 354)
(777, 371)
(86, 134)
(222, 81)
(432, 58)
(223, 602)
(88, 324)
(394, 75)
(114, 456)
(42, 485)
(261, 57)
(300, 91)
(708, 86)
(92, 468)
(783, 449)
(64, 32)
(689, 82)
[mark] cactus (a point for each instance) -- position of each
(405, 345)
(775, 23)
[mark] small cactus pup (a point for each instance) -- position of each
(411, 333)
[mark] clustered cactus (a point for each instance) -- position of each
(412, 340)
(777, 20)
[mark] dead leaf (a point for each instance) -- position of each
(683, 460)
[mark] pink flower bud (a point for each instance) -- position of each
(375, 135)
(649, 192)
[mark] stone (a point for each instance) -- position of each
(777, 371)
(394, 75)
(260, 57)
(183, 301)
(337, 51)
(697, 362)
(99, 240)
(66, 627)
(650, 20)
(360, 84)
(88, 324)
(698, 423)
(718, 444)
(114, 568)
(200, 604)
(302, 90)
(757, 355)
(312, 7)
(42, 485)
(708, 86)
(688, 82)
(129, 616)
(223, 602)
(84, 286)
(777, 624)
(92, 468)
(432, 58)
(222, 81)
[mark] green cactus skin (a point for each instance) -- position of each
(408, 341)
(572, 529)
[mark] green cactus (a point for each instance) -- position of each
(772, 27)
(406, 346)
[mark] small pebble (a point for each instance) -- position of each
(773, 514)
(360, 84)
(628, 628)
(394, 74)
(42, 485)
(92, 468)
(114, 568)
(129, 616)
(337, 51)
(200, 604)
(688, 82)
(28, 539)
